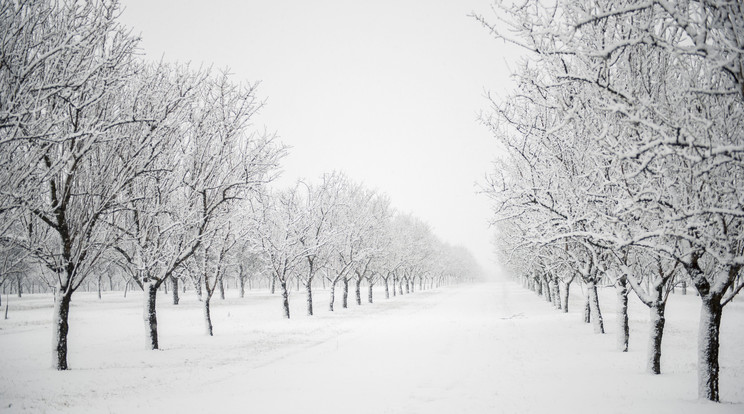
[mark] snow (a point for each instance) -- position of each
(482, 348)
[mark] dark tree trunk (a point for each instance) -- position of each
(684, 287)
(272, 286)
(20, 286)
(369, 296)
(359, 291)
(546, 289)
(111, 282)
(309, 287)
(387, 289)
(241, 280)
(222, 287)
(623, 329)
(656, 332)
(708, 344)
(345, 302)
(61, 328)
(400, 287)
(556, 292)
(198, 288)
(285, 298)
(395, 286)
(407, 283)
(333, 295)
(100, 287)
(538, 287)
(208, 316)
(587, 309)
(566, 293)
(174, 292)
(594, 304)
(150, 315)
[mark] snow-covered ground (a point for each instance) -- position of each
(482, 348)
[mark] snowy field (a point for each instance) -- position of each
(483, 348)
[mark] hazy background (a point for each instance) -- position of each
(387, 91)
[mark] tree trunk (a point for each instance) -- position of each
(345, 301)
(538, 287)
(708, 344)
(99, 287)
(684, 287)
(272, 286)
(400, 286)
(61, 328)
(241, 280)
(566, 292)
(174, 292)
(623, 329)
(309, 287)
(387, 289)
(111, 282)
(407, 283)
(359, 291)
(587, 309)
(546, 289)
(656, 331)
(150, 316)
(198, 288)
(556, 293)
(594, 305)
(285, 298)
(208, 316)
(369, 296)
(395, 287)
(222, 287)
(20, 286)
(333, 295)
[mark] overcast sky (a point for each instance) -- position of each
(387, 91)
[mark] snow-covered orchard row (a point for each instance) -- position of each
(112, 166)
(625, 163)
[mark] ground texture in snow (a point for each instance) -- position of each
(483, 348)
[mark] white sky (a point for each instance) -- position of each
(387, 91)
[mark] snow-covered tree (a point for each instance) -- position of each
(66, 159)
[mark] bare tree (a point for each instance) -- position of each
(64, 65)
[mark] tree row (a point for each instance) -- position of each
(114, 164)
(625, 156)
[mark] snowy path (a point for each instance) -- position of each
(492, 348)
